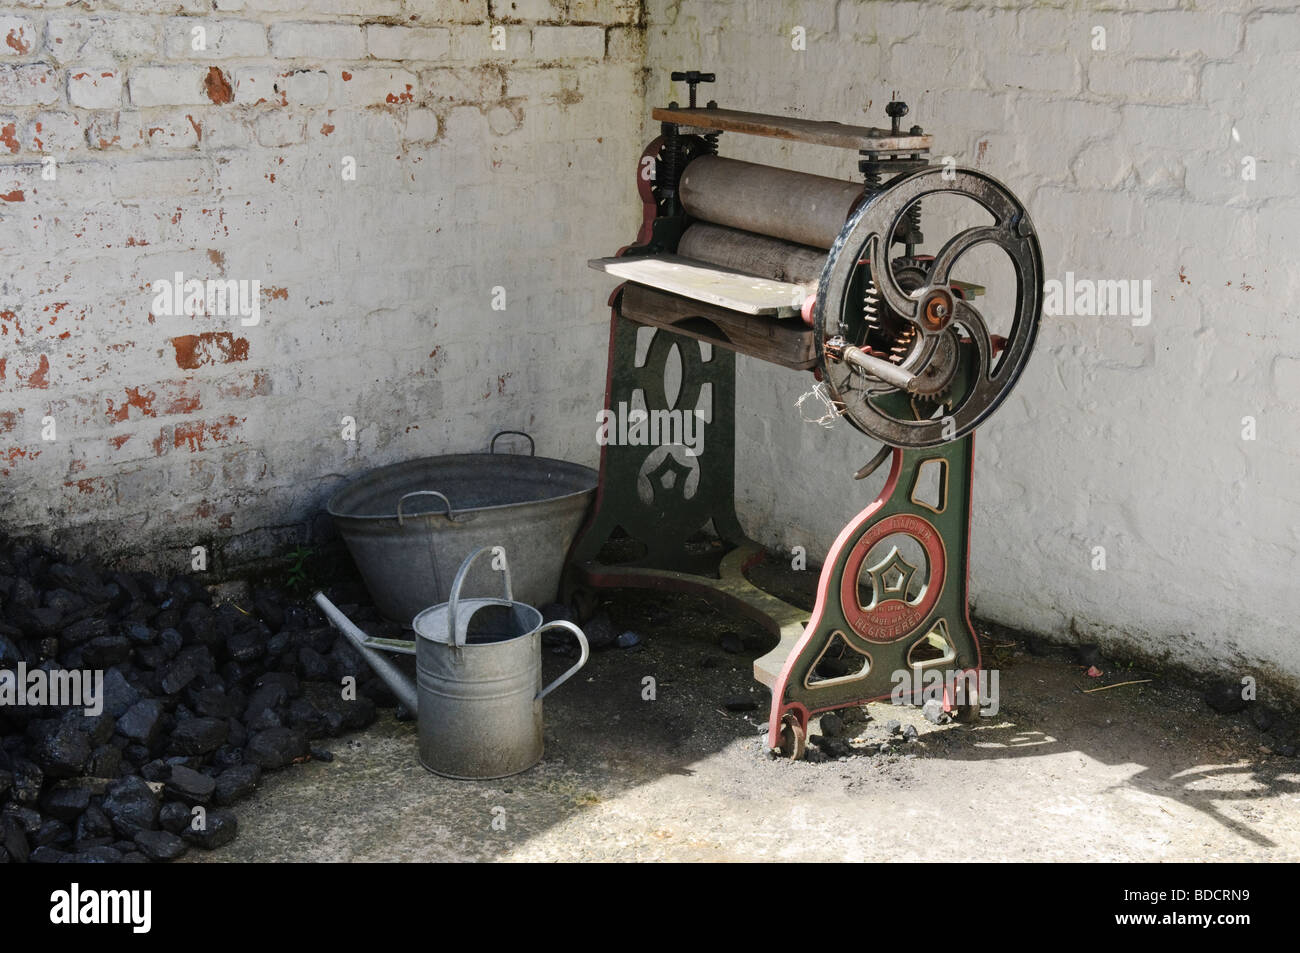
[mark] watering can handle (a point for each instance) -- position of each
(456, 635)
(582, 641)
(532, 446)
(407, 496)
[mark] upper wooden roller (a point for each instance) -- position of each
(794, 206)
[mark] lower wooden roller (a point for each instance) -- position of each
(753, 254)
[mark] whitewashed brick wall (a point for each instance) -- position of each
(476, 167)
(480, 167)
(1130, 160)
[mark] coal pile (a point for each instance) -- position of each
(199, 701)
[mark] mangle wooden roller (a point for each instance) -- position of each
(824, 275)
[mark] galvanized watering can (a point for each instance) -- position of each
(478, 685)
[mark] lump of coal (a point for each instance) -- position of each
(599, 630)
(92, 824)
(160, 845)
(199, 736)
(189, 785)
(219, 827)
(132, 806)
(67, 800)
(63, 753)
(174, 816)
(142, 722)
(118, 694)
(276, 747)
(237, 782)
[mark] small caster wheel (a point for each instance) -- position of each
(793, 741)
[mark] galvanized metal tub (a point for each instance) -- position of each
(478, 681)
(410, 525)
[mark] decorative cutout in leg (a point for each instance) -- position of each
(902, 613)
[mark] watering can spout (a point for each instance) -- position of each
(394, 678)
(478, 692)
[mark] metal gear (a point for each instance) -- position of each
(889, 335)
(934, 385)
(884, 332)
(862, 378)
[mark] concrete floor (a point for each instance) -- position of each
(1143, 772)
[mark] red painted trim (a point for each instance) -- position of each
(965, 563)
(645, 189)
(824, 586)
(806, 312)
(892, 619)
(779, 707)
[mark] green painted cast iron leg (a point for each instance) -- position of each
(879, 622)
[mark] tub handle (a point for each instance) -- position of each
(582, 641)
(532, 446)
(454, 517)
(457, 636)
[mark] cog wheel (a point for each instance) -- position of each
(934, 384)
(884, 331)
(935, 309)
(889, 335)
